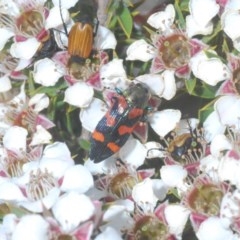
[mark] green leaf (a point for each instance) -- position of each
(190, 85)
(84, 144)
(204, 112)
(125, 20)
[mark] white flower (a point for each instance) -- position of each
(40, 136)
(46, 72)
(54, 19)
(140, 50)
(79, 94)
(15, 139)
(215, 226)
(203, 11)
(228, 110)
(118, 215)
(72, 209)
(104, 39)
(193, 28)
(77, 178)
(162, 85)
(229, 20)
(5, 35)
(39, 102)
(25, 49)
(108, 234)
(31, 227)
(163, 20)
(95, 111)
(174, 176)
(133, 152)
(202, 67)
(112, 75)
(164, 121)
(144, 195)
(220, 143)
(212, 126)
(176, 224)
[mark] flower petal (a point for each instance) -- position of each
(202, 67)
(15, 139)
(133, 152)
(203, 11)
(25, 49)
(77, 178)
(46, 72)
(140, 50)
(164, 121)
(95, 112)
(178, 223)
(72, 209)
(80, 95)
(105, 39)
(163, 20)
(38, 228)
(5, 35)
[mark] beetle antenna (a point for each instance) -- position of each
(64, 25)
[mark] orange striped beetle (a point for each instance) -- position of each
(81, 35)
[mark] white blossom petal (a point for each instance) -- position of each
(46, 72)
(10, 192)
(155, 82)
(108, 234)
(229, 22)
(5, 35)
(65, 4)
(215, 226)
(133, 152)
(5, 83)
(220, 143)
(25, 49)
(15, 138)
(203, 11)
(173, 175)
(80, 95)
(37, 228)
(202, 67)
(164, 121)
(112, 75)
(40, 136)
(228, 110)
(170, 84)
(54, 18)
(212, 126)
(176, 224)
(72, 209)
(140, 50)
(144, 195)
(95, 112)
(105, 39)
(163, 20)
(39, 102)
(77, 178)
(193, 28)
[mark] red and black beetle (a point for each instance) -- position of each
(113, 130)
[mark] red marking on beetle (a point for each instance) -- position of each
(113, 147)
(98, 136)
(134, 113)
(125, 129)
(110, 119)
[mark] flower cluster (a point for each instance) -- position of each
(96, 140)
